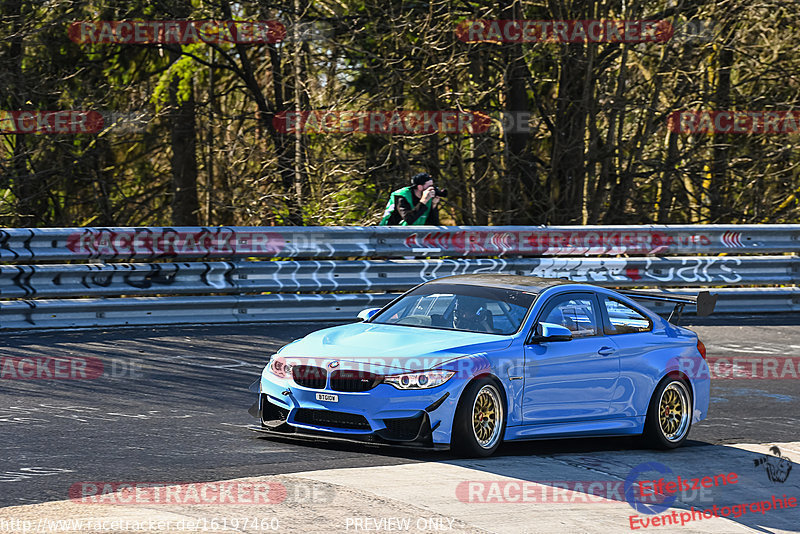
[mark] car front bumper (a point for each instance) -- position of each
(383, 414)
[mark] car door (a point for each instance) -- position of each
(631, 331)
(570, 380)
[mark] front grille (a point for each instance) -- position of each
(331, 419)
(309, 376)
(354, 381)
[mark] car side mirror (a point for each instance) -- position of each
(366, 315)
(551, 332)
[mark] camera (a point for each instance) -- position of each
(440, 192)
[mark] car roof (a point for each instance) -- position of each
(531, 284)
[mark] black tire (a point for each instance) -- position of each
(669, 415)
(479, 436)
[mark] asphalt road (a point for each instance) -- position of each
(172, 407)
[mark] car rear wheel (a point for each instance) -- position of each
(669, 416)
(480, 419)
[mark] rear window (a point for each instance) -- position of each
(624, 319)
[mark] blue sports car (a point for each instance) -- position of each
(466, 362)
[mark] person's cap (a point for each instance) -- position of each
(420, 178)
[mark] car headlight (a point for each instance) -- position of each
(420, 380)
(278, 367)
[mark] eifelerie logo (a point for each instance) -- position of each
(564, 31)
(177, 32)
(777, 466)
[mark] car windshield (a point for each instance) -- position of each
(466, 308)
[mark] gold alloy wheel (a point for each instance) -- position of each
(674, 411)
(487, 416)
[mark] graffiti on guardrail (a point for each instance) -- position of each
(308, 262)
(21, 244)
(23, 281)
(647, 271)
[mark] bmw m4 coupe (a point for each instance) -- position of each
(467, 362)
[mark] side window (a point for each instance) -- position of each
(506, 317)
(624, 319)
(575, 312)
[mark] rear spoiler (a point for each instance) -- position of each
(704, 301)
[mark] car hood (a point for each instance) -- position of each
(383, 347)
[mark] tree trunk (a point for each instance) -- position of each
(23, 182)
(521, 187)
(567, 174)
(718, 208)
(185, 205)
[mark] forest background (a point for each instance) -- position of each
(190, 135)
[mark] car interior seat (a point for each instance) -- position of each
(488, 319)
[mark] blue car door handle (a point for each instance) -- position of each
(605, 351)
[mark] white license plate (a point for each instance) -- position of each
(327, 397)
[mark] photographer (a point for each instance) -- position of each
(415, 204)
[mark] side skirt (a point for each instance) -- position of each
(623, 426)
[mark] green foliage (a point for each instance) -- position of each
(596, 150)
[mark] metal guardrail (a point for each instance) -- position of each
(157, 311)
(208, 243)
(317, 263)
(115, 279)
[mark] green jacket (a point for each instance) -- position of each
(405, 193)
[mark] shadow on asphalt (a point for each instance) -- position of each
(758, 496)
(544, 447)
(762, 480)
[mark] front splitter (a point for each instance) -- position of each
(365, 439)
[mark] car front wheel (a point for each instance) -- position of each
(480, 419)
(669, 416)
